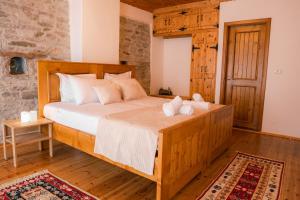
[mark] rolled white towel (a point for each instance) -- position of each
(177, 103)
(186, 110)
(197, 97)
(172, 108)
(169, 109)
(198, 105)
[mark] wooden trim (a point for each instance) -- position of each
(224, 63)
(227, 26)
(278, 135)
(169, 97)
(268, 22)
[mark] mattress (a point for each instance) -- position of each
(86, 117)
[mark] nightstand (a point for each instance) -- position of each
(16, 133)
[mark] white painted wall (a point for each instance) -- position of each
(75, 15)
(177, 65)
(136, 14)
(157, 64)
(87, 43)
(282, 108)
(101, 28)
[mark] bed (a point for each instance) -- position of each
(184, 149)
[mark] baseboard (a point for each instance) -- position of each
(278, 135)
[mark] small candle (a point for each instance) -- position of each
(25, 117)
(33, 115)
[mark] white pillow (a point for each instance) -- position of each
(126, 75)
(66, 93)
(83, 89)
(131, 89)
(109, 93)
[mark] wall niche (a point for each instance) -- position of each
(17, 65)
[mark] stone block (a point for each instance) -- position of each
(41, 31)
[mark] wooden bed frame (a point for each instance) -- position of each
(184, 150)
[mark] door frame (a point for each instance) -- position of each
(227, 26)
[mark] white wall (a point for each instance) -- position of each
(177, 65)
(75, 15)
(157, 63)
(101, 28)
(136, 14)
(88, 43)
(282, 108)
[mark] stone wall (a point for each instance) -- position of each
(135, 48)
(34, 30)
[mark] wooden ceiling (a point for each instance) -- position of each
(150, 5)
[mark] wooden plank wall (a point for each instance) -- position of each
(201, 21)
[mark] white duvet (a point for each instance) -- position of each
(125, 132)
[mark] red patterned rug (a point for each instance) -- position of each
(247, 177)
(42, 186)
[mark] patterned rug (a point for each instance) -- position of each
(247, 178)
(42, 186)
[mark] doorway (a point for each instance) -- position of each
(244, 70)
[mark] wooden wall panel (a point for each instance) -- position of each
(204, 61)
(185, 19)
(201, 21)
(243, 99)
(246, 55)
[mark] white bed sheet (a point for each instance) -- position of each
(86, 117)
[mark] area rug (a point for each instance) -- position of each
(247, 177)
(42, 186)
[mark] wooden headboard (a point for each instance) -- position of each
(48, 81)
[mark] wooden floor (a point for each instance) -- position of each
(109, 182)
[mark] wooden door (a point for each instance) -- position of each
(204, 59)
(245, 66)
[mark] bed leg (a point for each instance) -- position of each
(161, 192)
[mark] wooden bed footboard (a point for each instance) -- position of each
(186, 149)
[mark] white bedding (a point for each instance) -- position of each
(131, 137)
(121, 141)
(86, 117)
